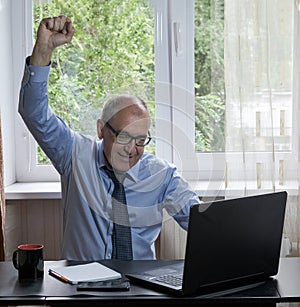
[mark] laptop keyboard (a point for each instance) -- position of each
(170, 279)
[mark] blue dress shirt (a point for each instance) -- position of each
(152, 186)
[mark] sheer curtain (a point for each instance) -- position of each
(2, 199)
(262, 103)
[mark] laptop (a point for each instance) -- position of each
(231, 245)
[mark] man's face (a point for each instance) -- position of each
(123, 156)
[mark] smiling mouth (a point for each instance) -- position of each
(127, 157)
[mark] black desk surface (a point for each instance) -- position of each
(283, 288)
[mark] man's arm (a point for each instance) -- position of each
(51, 132)
(52, 32)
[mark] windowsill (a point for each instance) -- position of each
(52, 190)
(217, 188)
(33, 190)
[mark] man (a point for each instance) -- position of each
(89, 167)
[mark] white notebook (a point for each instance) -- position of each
(84, 272)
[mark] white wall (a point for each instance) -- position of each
(6, 90)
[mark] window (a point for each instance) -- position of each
(186, 111)
(183, 135)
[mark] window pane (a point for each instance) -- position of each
(259, 67)
(259, 46)
(112, 52)
(209, 75)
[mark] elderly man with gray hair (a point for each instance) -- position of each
(113, 192)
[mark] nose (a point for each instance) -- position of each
(130, 147)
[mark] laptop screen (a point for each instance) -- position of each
(234, 239)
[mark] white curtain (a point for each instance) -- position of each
(262, 102)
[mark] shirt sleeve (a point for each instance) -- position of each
(179, 197)
(49, 130)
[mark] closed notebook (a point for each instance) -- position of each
(84, 272)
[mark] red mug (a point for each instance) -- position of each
(28, 259)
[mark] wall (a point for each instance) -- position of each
(34, 221)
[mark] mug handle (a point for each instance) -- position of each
(15, 259)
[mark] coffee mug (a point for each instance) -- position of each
(28, 259)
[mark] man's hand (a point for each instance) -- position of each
(52, 32)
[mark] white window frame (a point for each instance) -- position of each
(210, 167)
(26, 168)
(177, 123)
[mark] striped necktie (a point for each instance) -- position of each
(121, 238)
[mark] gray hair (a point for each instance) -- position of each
(116, 103)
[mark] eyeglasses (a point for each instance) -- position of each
(124, 138)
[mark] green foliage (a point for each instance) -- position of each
(209, 119)
(209, 75)
(112, 52)
(112, 49)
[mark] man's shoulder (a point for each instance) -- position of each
(83, 143)
(82, 139)
(151, 160)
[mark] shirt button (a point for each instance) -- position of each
(32, 73)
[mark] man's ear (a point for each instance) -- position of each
(100, 125)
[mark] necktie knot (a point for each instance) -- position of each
(111, 174)
(117, 179)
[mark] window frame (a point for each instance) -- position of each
(210, 167)
(180, 100)
(22, 28)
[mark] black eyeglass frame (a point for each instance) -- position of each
(148, 138)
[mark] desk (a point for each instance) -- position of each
(285, 287)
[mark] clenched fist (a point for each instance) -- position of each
(52, 32)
